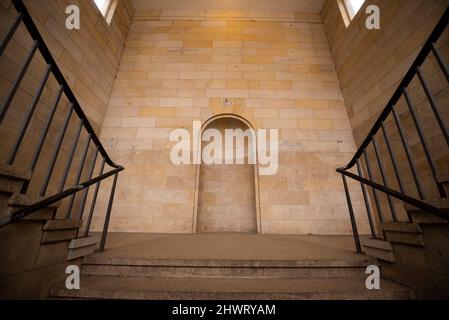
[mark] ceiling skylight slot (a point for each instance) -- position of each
(107, 8)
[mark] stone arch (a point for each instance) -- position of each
(248, 191)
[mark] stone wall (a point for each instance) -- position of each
(370, 64)
(88, 57)
(277, 68)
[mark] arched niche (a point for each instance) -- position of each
(226, 196)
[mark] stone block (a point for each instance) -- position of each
(59, 236)
(20, 244)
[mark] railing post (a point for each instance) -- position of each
(408, 153)
(84, 198)
(108, 214)
(4, 42)
(367, 205)
(29, 114)
(54, 157)
(384, 179)
(442, 65)
(433, 105)
(70, 157)
(355, 232)
(393, 158)
(423, 142)
(376, 198)
(78, 177)
(18, 80)
(94, 201)
(44, 133)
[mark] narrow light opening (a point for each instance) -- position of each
(349, 9)
(353, 6)
(103, 6)
(107, 8)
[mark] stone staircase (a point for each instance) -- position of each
(106, 277)
(39, 244)
(50, 229)
(416, 253)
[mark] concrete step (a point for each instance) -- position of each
(421, 216)
(19, 201)
(110, 287)
(403, 227)
(82, 247)
(53, 225)
(60, 230)
(379, 249)
(12, 179)
(404, 233)
(185, 268)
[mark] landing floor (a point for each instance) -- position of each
(229, 246)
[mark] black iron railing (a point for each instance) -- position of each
(74, 111)
(366, 177)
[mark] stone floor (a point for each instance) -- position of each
(228, 246)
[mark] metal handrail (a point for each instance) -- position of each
(379, 128)
(83, 123)
(400, 196)
(34, 32)
(428, 47)
(24, 212)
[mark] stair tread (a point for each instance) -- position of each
(62, 225)
(107, 286)
(442, 203)
(377, 244)
(25, 200)
(84, 242)
(404, 227)
(99, 259)
(11, 172)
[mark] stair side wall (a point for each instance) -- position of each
(29, 267)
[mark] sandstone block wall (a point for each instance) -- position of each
(277, 68)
